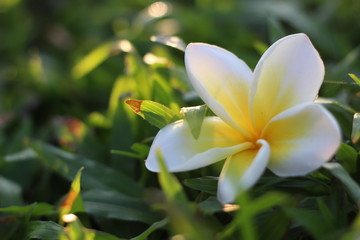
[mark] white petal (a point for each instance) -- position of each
(222, 80)
(301, 139)
(289, 73)
(241, 171)
(182, 152)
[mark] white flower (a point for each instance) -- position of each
(266, 118)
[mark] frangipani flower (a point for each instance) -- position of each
(265, 119)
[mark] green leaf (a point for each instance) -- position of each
(273, 225)
(152, 228)
(355, 78)
(171, 186)
(6, 5)
(276, 30)
(44, 230)
(95, 58)
(307, 184)
(153, 112)
(194, 116)
(338, 171)
(127, 154)
(23, 155)
(141, 149)
(325, 211)
(342, 106)
(10, 193)
(343, 114)
(250, 208)
(311, 220)
(355, 133)
(115, 205)
(205, 184)
(73, 201)
(123, 134)
(267, 201)
(182, 213)
(211, 205)
(67, 164)
(355, 230)
(105, 236)
(347, 156)
(75, 230)
(163, 91)
(260, 47)
(35, 209)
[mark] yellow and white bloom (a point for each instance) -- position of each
(266, 118)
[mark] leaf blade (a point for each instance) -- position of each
(153, 112)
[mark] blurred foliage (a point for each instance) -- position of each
(66, 68)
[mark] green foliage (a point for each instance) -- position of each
(355, 78)
(68, 67)
(194, 116)
(155, 113)
(353, 188)
(355, 133)
(44, 230)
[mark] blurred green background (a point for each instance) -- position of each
(66, 68)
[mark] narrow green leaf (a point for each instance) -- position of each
(310, 220)
(44, 230)
(355, 133)
(343, 114)
(95, 58)
(260, 47)
(249, 209)
(72, 201)
(183, 219)
(338, 171)
(355, 78)
(23, 155)
(163, 91)
(325, 212)
(152, 228)
(123, 132)
(105, 236)
(141, 149)
(244, 220)
(171, 186)
(355, 230)
(10, 193)
(211, 205)
(276, 30)
(155, 113)
(307, 184)
(267, 201)
(67, 164)
(76, 231)
(205, 184)
(273, 225)
(7, 5)
(194, 116)
(158, 113)
(127, 154)
(115, 205)
(347, 156)
(335, 103)
(36, 209)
